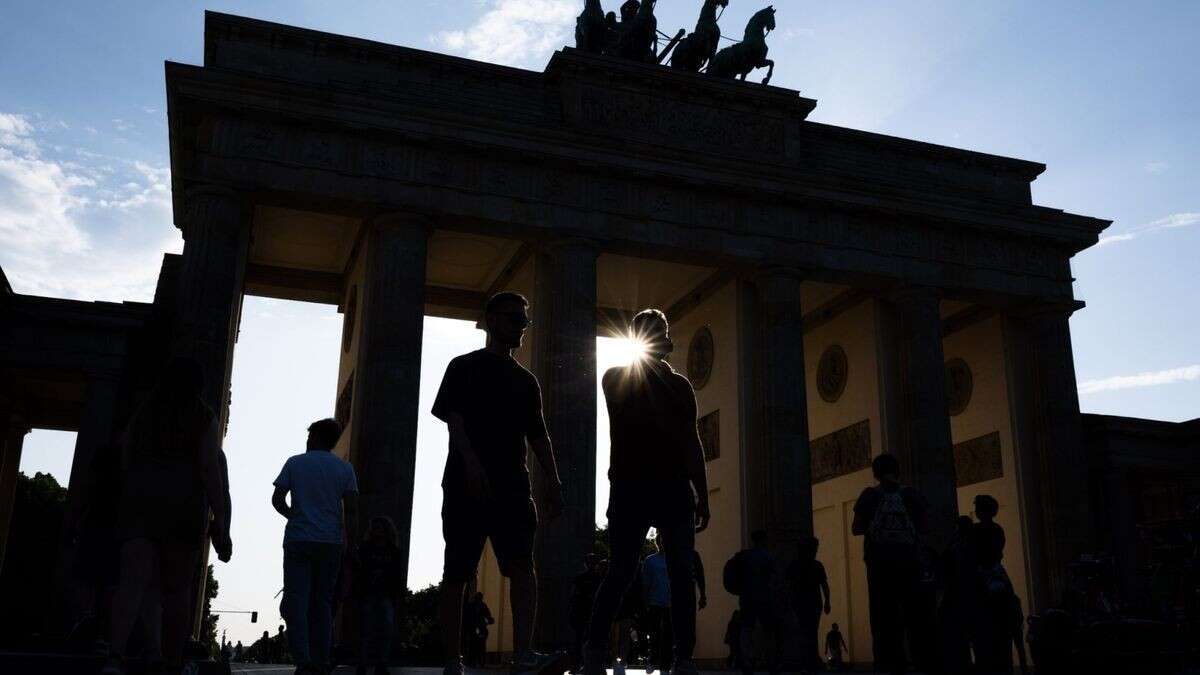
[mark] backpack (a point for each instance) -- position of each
(891, 525)
(733, 575)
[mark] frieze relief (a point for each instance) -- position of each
(842, 452)
(978, 460)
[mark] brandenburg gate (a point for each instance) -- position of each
(834, 294)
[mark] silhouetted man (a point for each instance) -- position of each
(492, 406)
(754, 573)
(809, 586)
(658, 479)
(324, 493)
(997, 611)
(891, 520)
(658, 604)
(476, 618)
(835, 644)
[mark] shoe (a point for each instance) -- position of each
(618, 668)
(455, 669)
(649, 669)
(113, 666)
(536, 663)
(685, 667)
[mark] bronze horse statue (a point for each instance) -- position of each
(591, 33)
(639, 40)
(695, 50)
(743, 57)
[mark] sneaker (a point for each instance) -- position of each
(455, 669)
(536, 663)
(650, 669)
(685, 667)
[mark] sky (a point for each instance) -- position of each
(1107, 94)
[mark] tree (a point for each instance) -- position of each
(208, 622)
(31, 558)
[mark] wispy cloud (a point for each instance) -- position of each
(1156, 167)
(1173, 221)
(514, 32)
(82, 225)
(1147, 379)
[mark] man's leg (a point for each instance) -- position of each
(746, 641)
(326, 561)
(625, 539)
(450, 617)
(679, 546)
(523, 595)
(139, 560)
(297, 589)
(886, 624)
(180, 560)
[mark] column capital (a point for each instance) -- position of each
(559, 245)
(210, 207)
(1047, 309)
(912, 293)
(403, 220)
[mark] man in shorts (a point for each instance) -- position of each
(492, 406)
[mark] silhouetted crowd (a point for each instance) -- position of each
(950, 612)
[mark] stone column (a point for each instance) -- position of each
(12, 440)
(780, 479)
(1059, 460)
(564, 357)
(216, 235)
(927, 451)
(387, 378)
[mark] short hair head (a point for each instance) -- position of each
(497, 301)
(651, 327)
(325, 433)
(986, 506)
(808, 546)
(759, 537)
(886, 466)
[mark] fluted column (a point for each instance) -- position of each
(12, 439)
(927, 450)
(564, 356)
(1059, 462)
(782, 471)
(387, 378)
(216, 235)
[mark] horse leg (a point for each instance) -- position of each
(770, 72)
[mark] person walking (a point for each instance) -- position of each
(583, 593)
(477, 617)
(835, 644)
(809, 589)
(171, 475)
(752, 575)
(321, 516)
(657, 618)
(998, 615)
(658, 479)
(891, 519)
(492, 407)
(375, 590)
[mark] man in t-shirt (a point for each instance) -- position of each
(324, 492)
(658, 479)
(891, 519)
(493, 406)
(809, 586)
(758, 587)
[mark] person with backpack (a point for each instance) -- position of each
(750, 575)
(891, 519)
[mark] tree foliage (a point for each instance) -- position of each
(31, 558)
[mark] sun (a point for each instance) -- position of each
(627, 350)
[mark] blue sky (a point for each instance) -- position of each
(1107, 94)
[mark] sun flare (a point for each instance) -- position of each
(627, 350)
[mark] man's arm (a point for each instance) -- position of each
(860, 524)
(825, 589)
(693, 455)
(216, 490)
(350, 511)
(279, 501)
(545, 455)
(698, 564)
